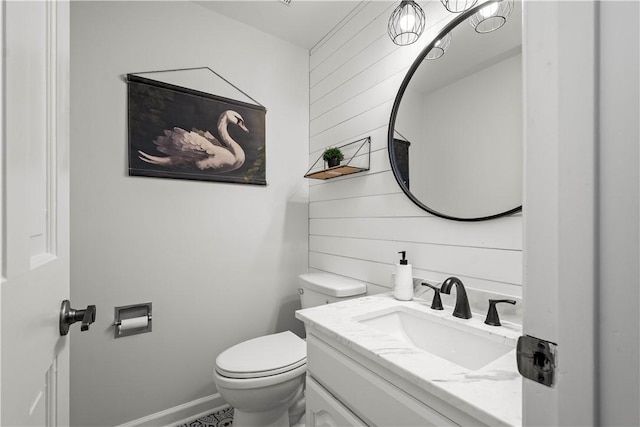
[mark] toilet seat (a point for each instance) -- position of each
(263, 356)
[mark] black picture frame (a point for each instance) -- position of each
(173, 133)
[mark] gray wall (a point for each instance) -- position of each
(218, 261)
(358, 223)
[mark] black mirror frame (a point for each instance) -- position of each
(394, 112)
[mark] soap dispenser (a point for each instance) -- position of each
(403, 289)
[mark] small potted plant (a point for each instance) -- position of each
(333, 156)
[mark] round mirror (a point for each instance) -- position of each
(455, 134)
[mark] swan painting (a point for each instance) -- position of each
(200, 148)
(181, 133)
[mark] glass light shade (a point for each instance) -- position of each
(406, 23)
(439, 47)
(492, 16)
(457, 6)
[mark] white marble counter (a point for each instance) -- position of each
(491, 394)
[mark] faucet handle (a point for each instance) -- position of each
(436, 303)
(492, 315)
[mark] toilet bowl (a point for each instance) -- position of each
(263, 378)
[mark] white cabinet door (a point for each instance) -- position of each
(35, 212)
(323, 410)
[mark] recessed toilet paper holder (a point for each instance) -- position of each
(132, 319)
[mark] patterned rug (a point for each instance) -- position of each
(221, 418)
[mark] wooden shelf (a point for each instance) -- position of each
(357, 152)
(334, 172)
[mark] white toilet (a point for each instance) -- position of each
(263, 378)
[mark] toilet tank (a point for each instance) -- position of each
(324, 288)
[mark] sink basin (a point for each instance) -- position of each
(467, 347)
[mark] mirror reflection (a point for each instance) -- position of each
(457, 146)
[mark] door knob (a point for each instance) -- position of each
(69, 316)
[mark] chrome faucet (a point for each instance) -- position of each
(462, 309)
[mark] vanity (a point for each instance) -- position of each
(382, 362)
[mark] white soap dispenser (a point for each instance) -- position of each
(403, 289)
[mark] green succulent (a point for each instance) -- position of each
(332, 153)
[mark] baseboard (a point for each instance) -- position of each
(180, 414)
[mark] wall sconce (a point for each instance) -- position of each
(406, 23)
(491, 17)
(439, 47)
(457, 6)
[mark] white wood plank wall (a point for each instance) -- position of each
(358, 223)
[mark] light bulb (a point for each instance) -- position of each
(440, 46)
(407, 21)
(491, 16)
(489, 10)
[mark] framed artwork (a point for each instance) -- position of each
(176, 132)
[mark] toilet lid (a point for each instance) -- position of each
(263, 356)
(332, 284)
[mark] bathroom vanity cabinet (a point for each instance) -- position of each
(359, 374)
(344, 389)
(323, 409)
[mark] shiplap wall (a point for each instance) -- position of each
(358, 223)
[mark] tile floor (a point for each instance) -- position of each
(221, 418)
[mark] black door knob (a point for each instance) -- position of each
(69, 316)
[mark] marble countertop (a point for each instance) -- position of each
(491, 394)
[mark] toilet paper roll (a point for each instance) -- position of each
(134, 323)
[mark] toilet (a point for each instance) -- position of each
(263, 378)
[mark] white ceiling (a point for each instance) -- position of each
(306, 22)
(302, 22)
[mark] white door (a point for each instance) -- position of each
(581, 209)
(559, 206)
(35, 213)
